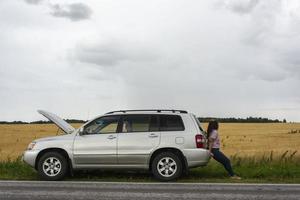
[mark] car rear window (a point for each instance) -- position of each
(170, 123)
(198, 123)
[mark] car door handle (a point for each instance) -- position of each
(152, 135)
(111, 137)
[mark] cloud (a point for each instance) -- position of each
(270, 74)
(290, 61)
(112, 53)
(240, 6)
(230, 61)
(74, 12)
(270, 31)
(102, 55)
(34, 1)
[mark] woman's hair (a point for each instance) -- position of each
(212, 125)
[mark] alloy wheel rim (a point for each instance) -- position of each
(51, 166)
(166, 167)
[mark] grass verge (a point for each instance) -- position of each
(266, 169)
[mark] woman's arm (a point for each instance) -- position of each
(210, 144)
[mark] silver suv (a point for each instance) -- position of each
(166, 142)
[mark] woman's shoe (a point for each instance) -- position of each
(235, 177)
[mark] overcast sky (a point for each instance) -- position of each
(81, 58)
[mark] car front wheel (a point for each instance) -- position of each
(166, 166)
(52, 166)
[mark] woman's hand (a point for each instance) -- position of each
(211, 154)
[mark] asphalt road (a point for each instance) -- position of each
(15, 190)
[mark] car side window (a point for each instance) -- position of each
(136, 123)
(171, 123)
(154, 123)
(102, 125)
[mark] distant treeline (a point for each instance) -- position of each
(242, 120)
(202, 119)
(42, 122)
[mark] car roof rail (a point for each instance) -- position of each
(148, 110)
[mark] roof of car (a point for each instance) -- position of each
(148, 111)
(153, 111)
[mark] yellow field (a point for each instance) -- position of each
(16, 137)
(240, 139)
(247, 139)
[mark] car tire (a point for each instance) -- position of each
(52, 166)
(166, 166)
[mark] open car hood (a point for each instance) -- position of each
(66, 127)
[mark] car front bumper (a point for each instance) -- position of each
(29, 157)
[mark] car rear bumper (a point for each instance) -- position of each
(29, 157)
(196, 157)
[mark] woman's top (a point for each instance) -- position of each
(215, 136)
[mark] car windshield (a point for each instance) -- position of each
(198, 123)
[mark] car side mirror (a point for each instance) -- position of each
(81, 131)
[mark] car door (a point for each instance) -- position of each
(97, 143)
(138, 137)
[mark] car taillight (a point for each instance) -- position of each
(200, 141)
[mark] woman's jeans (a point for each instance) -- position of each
(221, 158)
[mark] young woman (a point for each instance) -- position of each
(214, 148)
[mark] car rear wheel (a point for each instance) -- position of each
(52, 166)
(166, 166)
